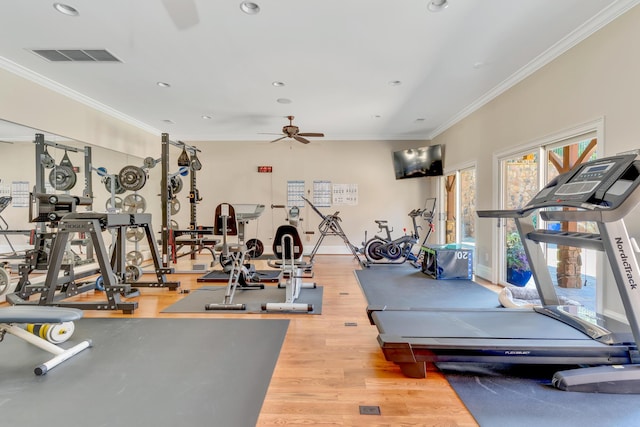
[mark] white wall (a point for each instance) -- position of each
(229, 174)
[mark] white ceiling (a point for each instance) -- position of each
(336, 58)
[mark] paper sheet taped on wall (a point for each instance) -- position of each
(20, 194)
(295, 192)
(322, 194)
(345, 194)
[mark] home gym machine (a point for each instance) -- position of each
(116, 276)
(289, 251)
(5, 231)
(232, 256)
(50, 251)
(172, 237)
(602, 191)
(61, 177)
(386, 250)
(330, 226)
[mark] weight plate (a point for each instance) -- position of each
(176, 184)
(175, 206)
(149, 162)
(55, 333)
(4, 281)
(133, 273)
(135, 234)
(134, 258)
(134, 203)
(62, 178)
(255, 248)
(132, 178)
(99, 283)
(118, 188)
(117, 202)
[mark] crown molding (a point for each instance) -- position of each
(596, 23)
(47, 83)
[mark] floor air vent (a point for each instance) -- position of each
(76, 55)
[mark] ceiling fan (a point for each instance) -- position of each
(291, 131)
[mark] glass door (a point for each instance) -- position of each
(573, 270)
(449, 182)
(459, 189)
(520, 182)
(467, 196)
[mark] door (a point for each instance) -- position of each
(573, 270)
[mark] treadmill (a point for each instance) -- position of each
(603, 191)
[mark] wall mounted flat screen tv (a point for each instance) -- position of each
(418, 162)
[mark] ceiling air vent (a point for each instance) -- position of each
(76, 55)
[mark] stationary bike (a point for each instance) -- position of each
(385, 250)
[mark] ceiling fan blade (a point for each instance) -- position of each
(282, 137)
(311, 134)
(183, 13)
(300, 139)
(269, 133)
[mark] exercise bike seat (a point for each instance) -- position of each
(225, 224)
(225, 211)
(279, 250)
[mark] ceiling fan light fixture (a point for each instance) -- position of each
(66, 9)
(437, 5)
(249, 8)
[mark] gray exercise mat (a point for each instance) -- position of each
(502, 395)
(405, 287)
(252, 298)
(263, 276)
(145, 372)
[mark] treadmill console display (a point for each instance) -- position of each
(601, 183)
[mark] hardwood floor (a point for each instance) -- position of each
(326, 368)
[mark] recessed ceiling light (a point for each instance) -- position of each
(283, 101)
(168, 121)
(206, 117)
(249, 8)
(163, 84)
(278, 84)
(395, 83)
(478, 64)
(437, 5)
(420, 119)
(376, 116)
(66, 9)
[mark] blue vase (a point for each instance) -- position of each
(518, 278)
